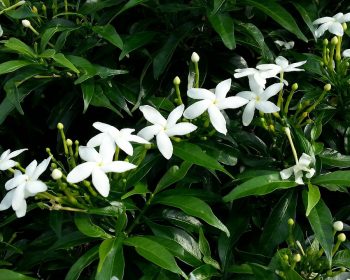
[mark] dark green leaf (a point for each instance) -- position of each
(333, 158)
(342, 258)
(6, 274)
(205, 272)
(130, 4)
(13, 65)
(136, 41)
(224, 26)
(20, 47)
(99, 99)
(205, 249)
(62, 60)
(140, 188)
(112, 210)
(333, 178)
(87, 227)
(109, 33)
(313, 196)
(88, 89)
(306, 17)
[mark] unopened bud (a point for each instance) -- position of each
(297, 257)
(325, 42)
(195, 57)
(60, 126)
(295, 86)
(290, 220)
(56, 174)
(341, 237)
(327, 87)
(334, 40)
(69, 142)
(26, 23)
(338, 226)
(34, 10)
(344, 26)
(176, 80)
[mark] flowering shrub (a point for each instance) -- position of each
(235, 182)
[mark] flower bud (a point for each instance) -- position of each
(69, 142)
(60, 126)
(325, 42)
(297, 257)
(344, 26)
(341, 237)
(26, 23)
(56, 174)
(327, 87)
(176, 80)
(338, 226)
(35, 10)
(290, 220)
(334, 40)
(195, 57)
(295, 86)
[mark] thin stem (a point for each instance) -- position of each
(196, 69)
(140, 215)
(289, 136)
(280, 95)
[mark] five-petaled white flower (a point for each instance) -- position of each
(22, 186)
(6, 161)
(163, 128)
(282, 65)
(258, 98)
(332, 24)
(303, 164)
(98, 164)
(112, 136)
(255, 76)
(214, 103)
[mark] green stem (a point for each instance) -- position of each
(289, 136)
(196, 78)
(289, 98)
(20, 3)
(280, 95)
(178, 94)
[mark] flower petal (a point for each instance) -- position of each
(336, 28)
(271, 91)
(97, 140)
(125, 145)
(217, 119)
(107, 150)
(321, 30)
(100, 182)
(41, 168)
(89, 154)
(181, 129)
(197, 109)
(15, 181)
(118, 167)
(152, 115)
(248, 113)
(244, 72)
(16, 153)
(22, 209)
(310, 173)
(35, 187)
(248, 95)
(30, 169)
(149, 131)
(18, 197)
(345, 18)
(231, 102)
(346, 53)
(281, 61)
(268, 67)
(286, 173)
(222, 89)
(164, 145)
(293, 66)
(201, 93)
(80, 172)
(305, 160)
(5, 154)
(175, 115)
(6, 164)
(103, 127)
(6, 202)
(137, 139)
(266, 107)
(323, 20)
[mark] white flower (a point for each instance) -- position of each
(302, 165)
(97, 165)
(258, 98)
(282, 65)
(346, 53)
(255, 76)
(111, 136)
(22, 186)
(332, 24)
(26, 23)
(5, 159)
(163, 128)
(338, 226)
(195, 57)
(56, 174)
(214, 103)
(287, 45)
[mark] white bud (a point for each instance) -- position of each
(26, 23)
(195, 57)
(338, 226)
(56, 174)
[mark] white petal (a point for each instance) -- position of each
(222, 89)
(89, 154)
(282, 61)
(293, 66)
(200, 93)
(323, 20)
(16, 153)
(35, 187)
(125, 145)
(271, 91)
(164, 145)
(311, 173)
(6, 201)
(97, 140)
(6, 164)
(338, 16)
(15, 181)
(244, 72)
(118, 167)
(232, 102)
(107, 149)
(103, 127)
(137, 139)
(126, 131)
(41, 168)
(31, 168)
(22, 209)
(197, 109)
(100, 182)
(248, 113)
(181, 129)
(336, 28)
(298, 177)
(175, 115)
(321, 30)
(346, 53)
(268, 67)
(5, 154)
(286, 173)
(266, 107)
(345, 18)
(257, 82)
(152, 115)
(18, 197)
(305, 160)
(217, 119)
(248, 95)
(149, 131)
(80, 172)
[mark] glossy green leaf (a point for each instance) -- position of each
(333, 178)
(260, 185)
(204, 272)
(62, 60)
(130, 4)
(306, 17)
(6, 274)
(84, 261)
(204, 247)
(13, 65)
(140, 188)
(87, 227)
(194, 154)
(342, 259)
(193, 206)
(111, 261)
(224, 26)
(293, 275)
(109, 33)
(277, 13)
(18, 46)
(313, 197)
(48, 34)
(333, 158)
(56, 222)
(136, 41)
(173, 175)
(154, 252)
(99, 99)
(111, 211)
(180, 219)
(88, 89)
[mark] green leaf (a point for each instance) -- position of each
(6, 274)
(205, 249)
(136, 41)
(313, 197)
(194, 154)
(193, 206)
(154, 252)
(130, 4)
(62, 60)
(277, 13)
(140, 188)
(84, 261)
(173, 175)
(87, 227)
(342, 258)
(260, 185)
(205, 272)
(334, 158)
(306, 17)
(293, 275)
(320, 219)
(99, 99)
(111, 259)
(109, 33)
(13, 65)
(224, 26)
(20, 47)
(111, 211)
(48, 34)
(88, 89)
(333, 178)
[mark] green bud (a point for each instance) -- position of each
(341, 237)
(290, 222)
(338, 226)
(53, 165)
(344, 26)
(327, 87)
(297, 257)
(35, 10)
(295, 86)
(325, 42)
(60, 126)
(343, 269)
(48, 150)
(176, 80)
(334, 40)
(148, 146)
(69, 142)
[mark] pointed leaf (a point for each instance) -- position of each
(20, 47)
(62, 60)
(109, 33)
(313, 196)
(224, 26)
(87, 227)
(333, 178)
(13, 65)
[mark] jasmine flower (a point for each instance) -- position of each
(6, 161)
(302, 165)
(332, 24)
